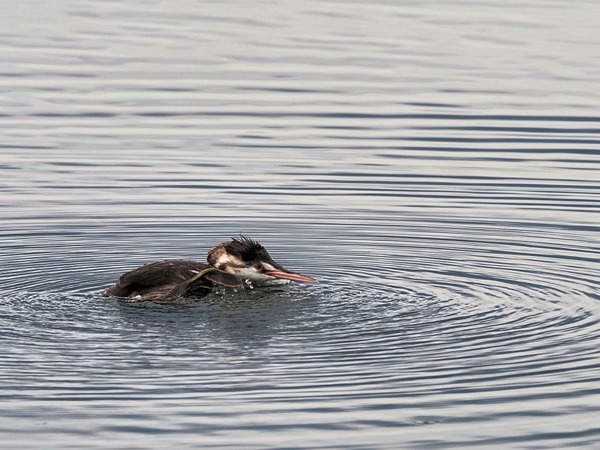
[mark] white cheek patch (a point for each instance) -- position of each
(235, 266)
(250, 273)
(257, 278)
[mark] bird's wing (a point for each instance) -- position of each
(154, 278)
(162, 272)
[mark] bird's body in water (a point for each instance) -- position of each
(237, 263)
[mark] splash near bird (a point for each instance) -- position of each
(241, 262)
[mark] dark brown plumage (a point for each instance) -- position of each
(156, 280)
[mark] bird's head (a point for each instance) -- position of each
(248, 260)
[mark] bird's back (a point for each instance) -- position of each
(157, 279)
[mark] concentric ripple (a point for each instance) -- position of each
(442, 326)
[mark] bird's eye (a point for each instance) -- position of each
(258, 267)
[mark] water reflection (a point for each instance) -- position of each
(234, 325)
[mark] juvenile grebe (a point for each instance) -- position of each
(236, 263)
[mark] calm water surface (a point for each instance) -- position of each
(433, 164)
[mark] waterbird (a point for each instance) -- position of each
(239, 263)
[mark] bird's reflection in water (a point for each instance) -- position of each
(234, 325)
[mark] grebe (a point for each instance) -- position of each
(241, 262)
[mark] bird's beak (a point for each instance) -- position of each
(291, 276)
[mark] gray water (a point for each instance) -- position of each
(433, 164)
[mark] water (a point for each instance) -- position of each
(433, 164)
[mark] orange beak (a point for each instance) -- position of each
(291, 276)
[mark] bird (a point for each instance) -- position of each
(239, 263)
